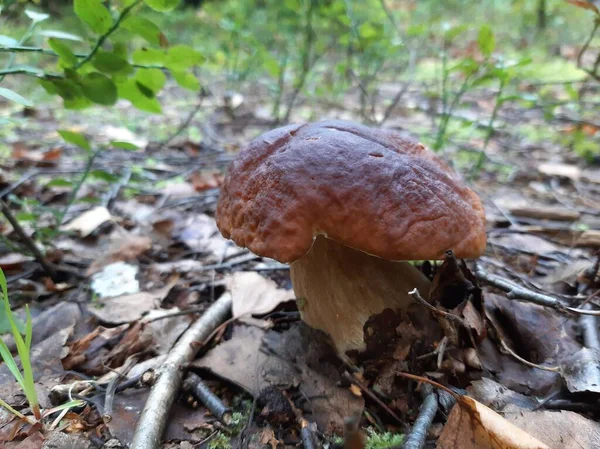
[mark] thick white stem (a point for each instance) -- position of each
(340, 288)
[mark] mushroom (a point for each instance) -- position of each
(348, 207)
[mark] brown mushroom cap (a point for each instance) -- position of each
(369, 189)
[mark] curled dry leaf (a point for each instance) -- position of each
(35, 157)
(88, 222)
(472, 425)
(253, 294)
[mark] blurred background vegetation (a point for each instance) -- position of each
(306, 59)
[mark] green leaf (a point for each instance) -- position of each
(111, 63)
(76, 139)
(36, 16)
(152, 79)
(99, 88)
(146, 29)
(59, 182)
(66, 55)
(182, 57)
(130, 90)
(455, 31)
(186, 80)
(124, 145)
(13, 96)
(162, 5)
(60, 35)
(26, 216)
(94, 14)
(7, 41)
(486, 40)
(103, 175)
(149, 56)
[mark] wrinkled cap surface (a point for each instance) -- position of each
(366, 188)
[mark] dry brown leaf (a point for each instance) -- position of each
(253, 294)
(89, 221)
(205, 180)
(35, 157)
(267, 436)
(472, 425)
(558, 429)
(129, 308)
(11, 261)
(125, 248)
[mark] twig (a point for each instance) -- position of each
(152, 422)
(350, 378)
(46, 265)
(589, 327)
(514, 291)
(416, 437)
(442, 315)
(186, 122)
(109, 199)
(200, 390)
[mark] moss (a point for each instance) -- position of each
(220, 441)
(382, 440)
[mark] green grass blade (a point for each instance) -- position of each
(12, 410)
(27, 384)
(28, 329)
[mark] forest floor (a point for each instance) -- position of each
(139, 258)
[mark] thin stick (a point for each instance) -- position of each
(200, 390)
(350, 378)
(418, 434)
(589, 327)
(47, 266)
(186, 122)
(514, 291)
(152, 422)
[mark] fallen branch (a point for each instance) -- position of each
(514, 291)
(200, 390)
(416, 437)
(46, 265)
(152, 422)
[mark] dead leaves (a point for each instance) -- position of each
(88, 222)
(253, 294)
(472, 425)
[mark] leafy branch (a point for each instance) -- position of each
(105, 36)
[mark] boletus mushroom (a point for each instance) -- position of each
(348, 206)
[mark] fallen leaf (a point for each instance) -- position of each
(12, 261)
(116, 279)
(559, 429)
(179, 190)
(200, 233)
(89, 221)
(129, 308)
(205, 180)
(253, 294)
(558, 169)
(267, 436)
(472, 425)
(580, 371)
(35, 157)
(255, 359)
(124, 248)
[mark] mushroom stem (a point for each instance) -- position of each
(340, 288)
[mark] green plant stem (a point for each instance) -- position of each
(88, 168)
(105, 36)
(24, 39)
